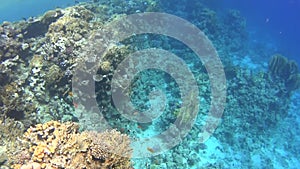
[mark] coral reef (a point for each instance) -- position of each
(236, 25)
(10, 131)
(245, 91)
(36, 66)
(60, 145)
(105, 70)
(226, 29)
(209, 21)
(38, 57)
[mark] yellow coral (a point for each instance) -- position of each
(37, 61)
(59, 145)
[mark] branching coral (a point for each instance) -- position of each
(60, 145)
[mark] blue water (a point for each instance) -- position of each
(247, 137)
(272, 21)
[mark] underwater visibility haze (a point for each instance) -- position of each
(149, 84)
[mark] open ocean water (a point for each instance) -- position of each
(149, 84)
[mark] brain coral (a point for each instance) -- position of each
(60, 145)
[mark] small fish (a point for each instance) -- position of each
(122, 130)
(267, 20)
(151, 150)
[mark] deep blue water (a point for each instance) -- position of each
(272, 21)
(272, 26)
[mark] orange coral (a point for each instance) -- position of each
(60, 145)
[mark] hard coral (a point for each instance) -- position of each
(67, 26)
(31, 166)
(60, 145)
(54, 75)
(112, 148)
(10, 130)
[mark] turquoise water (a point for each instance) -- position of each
(194, 84)
(17, 9)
